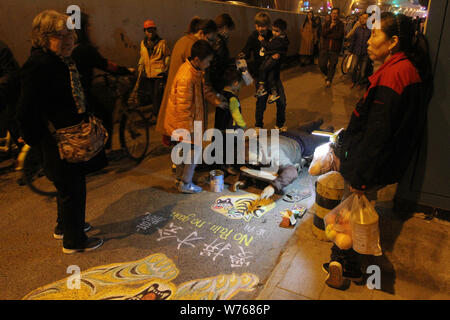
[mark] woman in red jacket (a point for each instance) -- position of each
(386, 125)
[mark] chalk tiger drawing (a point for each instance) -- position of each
(242, 207)
(150, 278)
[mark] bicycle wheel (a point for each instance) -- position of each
(344, 65)
(34, 176)
(134, 134)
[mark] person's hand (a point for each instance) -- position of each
(20, 140)
(223, 104)
(276, 56)
(260, 38)
(241, 64)
(268, 192)
(132, 70)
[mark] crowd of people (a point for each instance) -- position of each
(52, 91)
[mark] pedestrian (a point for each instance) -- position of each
(332, 34)
(9, 91)
(52, 95)
(275, 50)
(252, 52)
(233, 83)
(88, 58)
(199, 29)
(232, 119)
(220, 63)
(308, 35)
(153, 62)
(222, 59)
(185, 106)
(358, 47)
(386, 125)
(318, 22)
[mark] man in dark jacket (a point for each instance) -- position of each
(332, 34)
(220, 63)
(252, 53)
(358, 47)
(9, 91)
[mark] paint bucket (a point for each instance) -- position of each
(216, 181)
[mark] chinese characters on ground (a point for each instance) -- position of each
(228, 244)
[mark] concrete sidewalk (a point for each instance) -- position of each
(416, 251)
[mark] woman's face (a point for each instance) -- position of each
(210, 37)
(379, 46)
(62, 42)
(225, 32)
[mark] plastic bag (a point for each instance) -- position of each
(324, 160)
(365, 227)
(338, 224)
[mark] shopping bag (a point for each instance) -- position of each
(324, 160)
(338, 226)
(365, 227)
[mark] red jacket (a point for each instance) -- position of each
(386, 125)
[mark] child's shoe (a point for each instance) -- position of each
(261, 91)
(189, 188)
(273, 97)
(282, 129)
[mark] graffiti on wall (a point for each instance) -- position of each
(150, 278)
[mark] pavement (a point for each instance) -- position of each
(160, 243)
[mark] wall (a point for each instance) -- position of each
(117, 24)
(427, 180)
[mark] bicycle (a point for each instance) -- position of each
(28, 161)
(134, 132)
(347, 59)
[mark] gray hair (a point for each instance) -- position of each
(45, 24)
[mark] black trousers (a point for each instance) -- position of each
(327, 63)
(267, 72)
(261, 105)
(71, 204)
(153, 87)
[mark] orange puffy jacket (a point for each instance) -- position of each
(186, 102)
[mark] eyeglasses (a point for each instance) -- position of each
(62, 34)
(150, 30)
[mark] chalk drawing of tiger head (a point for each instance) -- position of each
(224, 204)
(146, 279)
(243, 206)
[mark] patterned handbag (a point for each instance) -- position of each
(81, 142)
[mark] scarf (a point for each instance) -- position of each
(75, 83)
